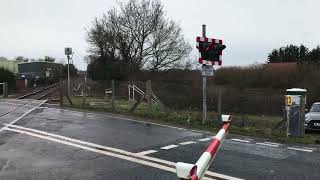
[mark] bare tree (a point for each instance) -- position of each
(139, 34)
(168, 46)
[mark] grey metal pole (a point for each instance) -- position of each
(204, 87)
(219, 104)
(204, 30)
(68, 77)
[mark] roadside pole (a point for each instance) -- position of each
(204, 87)
(68, 52)
(68, 56)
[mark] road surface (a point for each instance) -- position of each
(41, 142)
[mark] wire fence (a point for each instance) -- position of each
(258, 110)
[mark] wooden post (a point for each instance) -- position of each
(161, 105)
(84, 98)
(136, 104)
(219, 104)
(69, 99)
(113, 96)
(129, 92)
(5, 89)
(61, 92)
(148, 93)
(106, 93)
(133, 88)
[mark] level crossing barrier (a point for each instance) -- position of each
(196, 171)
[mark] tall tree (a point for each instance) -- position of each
(168, 46)
(290, 53)
(138, 35)
(314, 55)
(274, 56)
(303, 53)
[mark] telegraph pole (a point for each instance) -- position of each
(204, 86)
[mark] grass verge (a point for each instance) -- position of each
(271, 127)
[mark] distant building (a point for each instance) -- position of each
(10, 65)
(39, 70)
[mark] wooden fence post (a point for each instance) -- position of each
(61, 92)
(219, 104)
(84, 91)
(113, 96)
(5, 89)
(148, 92)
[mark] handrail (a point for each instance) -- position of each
(138, 90)
(76, 89)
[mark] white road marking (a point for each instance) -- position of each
(240, 140)
(187, 143)
(147, 163)
(267, 144)
(71, 139)
(23, 115)
(143, 153)
(94, 145)
(205, 139)
(113, 154)
(300, 149)
(272, 143)
(169, 147)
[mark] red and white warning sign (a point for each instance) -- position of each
(210, 51)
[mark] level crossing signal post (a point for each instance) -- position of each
(210, 53)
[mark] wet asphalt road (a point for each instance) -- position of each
(29, 154)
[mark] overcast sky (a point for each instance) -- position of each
(249, 28)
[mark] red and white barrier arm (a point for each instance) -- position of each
(197, 171)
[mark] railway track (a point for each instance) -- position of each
(33, 96)
(40, 94)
